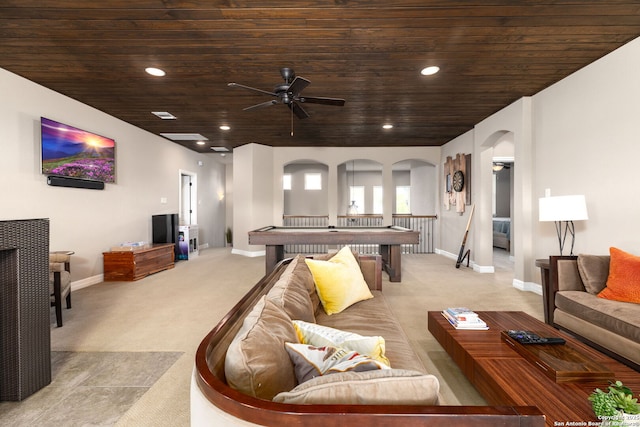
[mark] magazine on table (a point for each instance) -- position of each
(467, 322)
(462, 313)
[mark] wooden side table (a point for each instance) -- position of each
(547, 299)
(548, 268)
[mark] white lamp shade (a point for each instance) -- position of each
(562, 208)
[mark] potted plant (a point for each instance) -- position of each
(616, 407)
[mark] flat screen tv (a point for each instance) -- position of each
(71, 152)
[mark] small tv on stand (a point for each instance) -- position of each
(165, 229)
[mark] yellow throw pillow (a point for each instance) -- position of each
(324, 336)
(339, 281)
(623, 283)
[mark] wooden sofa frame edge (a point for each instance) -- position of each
(210, 381)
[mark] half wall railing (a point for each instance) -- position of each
(425, 224)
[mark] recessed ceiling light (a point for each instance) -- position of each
(429, 71)
(200, 142)
(225, 127)
(155, 71)
(164, 115)
(219, 148)
(387, 126)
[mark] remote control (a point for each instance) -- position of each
(528, 337)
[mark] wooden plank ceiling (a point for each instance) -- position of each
(368, 52)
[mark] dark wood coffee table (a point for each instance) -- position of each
(503, 377)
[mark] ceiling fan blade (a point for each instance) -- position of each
(251, 88)
(298, 110)
(261, 105)
(297, 85)
(326, 101)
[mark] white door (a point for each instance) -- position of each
(188, 198)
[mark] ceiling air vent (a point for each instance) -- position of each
(164, 115)
(184, 136)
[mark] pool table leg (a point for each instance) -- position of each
(274, 254)
(391, 261)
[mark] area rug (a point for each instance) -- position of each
(89, 388)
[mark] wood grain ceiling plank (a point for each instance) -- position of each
(106, 26)
(319, 12)
(367, 51)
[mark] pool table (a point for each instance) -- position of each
(388, 238)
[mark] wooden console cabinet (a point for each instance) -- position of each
(139, 263)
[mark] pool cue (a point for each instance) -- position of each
(462, 255)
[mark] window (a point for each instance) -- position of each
(377, 200)
(356, 194)
(403, 199)
(286, 181)
(312, 181)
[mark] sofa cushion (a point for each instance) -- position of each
(292, 293)
(594, 270)
(339, 281)
(568, 276)
(380, 387)
(310, 361)
(620, 318)
(374, 317)
(256, 362)
(623, 283)
(320, 336)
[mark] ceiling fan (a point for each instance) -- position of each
(288, 93)
(498, 166)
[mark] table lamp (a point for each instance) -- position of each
(563, 209)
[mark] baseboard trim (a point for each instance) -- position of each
(484, 268)
(527, 286)
(477, 268)
(250, 254)
(86, 282)
(447, 254)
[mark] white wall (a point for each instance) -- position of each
(503, 192)
(89, 222)
(424, 183)
(587, 141)
(579, 136)
(253, 192)
(299, 201)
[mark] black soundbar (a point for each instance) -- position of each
(63, 181)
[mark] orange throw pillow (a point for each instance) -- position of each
(623, 283)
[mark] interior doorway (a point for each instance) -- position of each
(503, 168)
(188, 196)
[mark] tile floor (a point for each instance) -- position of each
(89, 388)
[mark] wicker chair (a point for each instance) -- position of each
(59, 282)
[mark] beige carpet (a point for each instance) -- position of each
(173, 310)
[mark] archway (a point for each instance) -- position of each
(503, 196)
(305, 192)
